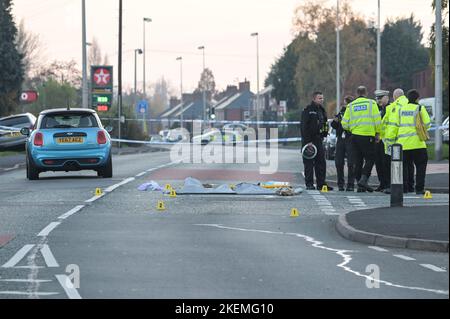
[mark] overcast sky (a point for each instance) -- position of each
(179, 27)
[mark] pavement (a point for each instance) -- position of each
(436, 180)
(420, 227)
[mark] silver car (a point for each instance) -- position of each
(10, 136)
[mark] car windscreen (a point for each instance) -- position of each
(20, 121)
(69, 120)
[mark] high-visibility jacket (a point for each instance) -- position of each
(403, 127)
(386, 124)
(362, 117)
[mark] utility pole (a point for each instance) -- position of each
(83, 47)
(144, 66)
(379, 48)
(203, 84)
(338, 63)
(438, 81)
(120, 70)
(181, 89)
(255, 34)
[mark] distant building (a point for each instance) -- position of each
(423, 82)
(236, 104)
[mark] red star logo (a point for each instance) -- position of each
(102, 76)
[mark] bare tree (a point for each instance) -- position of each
(95, 53)
(29, 45)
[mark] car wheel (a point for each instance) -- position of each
(106, 171)
(32, 171)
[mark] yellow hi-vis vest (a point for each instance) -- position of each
(362, 117)
(387, 125)
(404, 126)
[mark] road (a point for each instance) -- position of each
(201, 246)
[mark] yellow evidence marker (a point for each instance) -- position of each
(324, 189)
(168, 187)
(427, 195)
(98, 192)
(294, 212)
(161, 206)
(173, 193)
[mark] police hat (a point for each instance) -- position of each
(381, 93)
(309, 151)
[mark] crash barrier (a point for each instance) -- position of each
(397, 175)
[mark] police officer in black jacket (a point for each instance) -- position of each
(314, 127)
(343, 150)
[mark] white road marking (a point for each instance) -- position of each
(26, 280)
(140, 174)
(378, 248)
(30, 267)
(71, 212)
(48, 257)
(68, 287)
(28, 294)
(18, 256)
(407, 258)
(434, 268)
(11, 168)
(345, 254)
(93, 199)
(47, 230)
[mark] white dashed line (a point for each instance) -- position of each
(27, 293)
(140, 174)
(18, 256)
(378, 248)
(48, 257)
(68, 287)
(26, 280)
(434, 268)
(48, 229)
(404, 257)
(71, 212)
(93, 199)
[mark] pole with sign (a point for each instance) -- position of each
(102, 87)
(397, 175)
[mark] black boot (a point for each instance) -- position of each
(363, 183)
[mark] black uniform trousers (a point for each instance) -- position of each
(363, 149)
(419, 159)
(382, 165)
(344, 149)
(316, 165)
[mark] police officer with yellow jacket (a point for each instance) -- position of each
(382, 97)
(404, 130)
(362, 118)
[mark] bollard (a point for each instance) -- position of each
(397, 175)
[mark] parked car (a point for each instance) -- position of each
(68, 140)
(234, 126)
(445, 131)
(177, 135)
(215, 136)
(10, 136)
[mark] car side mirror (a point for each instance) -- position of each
(25, 131)
(109, 129)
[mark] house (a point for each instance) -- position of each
(236, 104)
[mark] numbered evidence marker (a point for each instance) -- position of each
(98, 192)
(427, 195)
(168, 187)
(324, 189)
(173, 193)
(160, 206)
(294, 212)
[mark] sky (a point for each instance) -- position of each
(179, 27)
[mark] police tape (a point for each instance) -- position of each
(275, 140)
(9, 128)
(207, 121)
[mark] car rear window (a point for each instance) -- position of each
(69, 120)
(20, 121)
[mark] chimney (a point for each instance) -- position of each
(174, 101)
(244, 86)
(188, 97)
(231, 89)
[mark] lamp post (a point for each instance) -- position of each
(181, 89)
(136, 52)
(338, 64)
(379, 49)
(255, 34)
(143, 47)
(84, 56)
(203, 84)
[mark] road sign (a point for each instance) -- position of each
(142, 107)
(102, 77)
(28, 96)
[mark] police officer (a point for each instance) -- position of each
(400, 100)
(414, 148)
(362, 119)
(343, 150)
(314, 127)
(381, 165)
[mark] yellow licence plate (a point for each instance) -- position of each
(15, 134)
(65, 140)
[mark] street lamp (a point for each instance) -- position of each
(136, 52)
(379, 49)
(143, 47)
(181, 89)
(255, 34)
(204, 83)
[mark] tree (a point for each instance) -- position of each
(29, 45)
(402, 52)
(160, 98)
(95, 53)
(11, 67)
(207, 82)
(445, 52)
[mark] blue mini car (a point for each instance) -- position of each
(68, 140)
